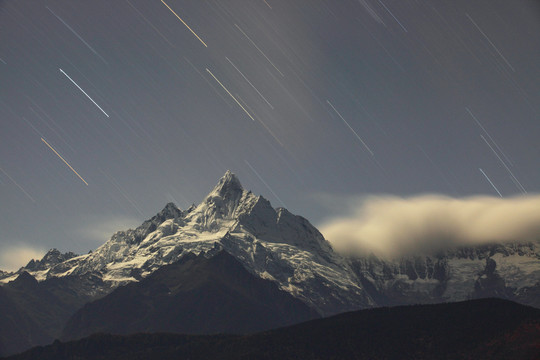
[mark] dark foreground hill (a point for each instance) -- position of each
(477, 329)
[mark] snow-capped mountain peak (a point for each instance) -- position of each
(271, 243)
(228, 187)
(221, 204)
(170, 211)
(51, 258)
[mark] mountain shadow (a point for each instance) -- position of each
(196, 295)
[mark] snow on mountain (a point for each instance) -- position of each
(497, 270)
(38, 268)
(271, 243)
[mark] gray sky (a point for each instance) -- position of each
(307, 101)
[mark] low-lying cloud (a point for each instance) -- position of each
(393, 226)
(14, 257)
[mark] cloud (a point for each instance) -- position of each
(392, 226)
(14, 257)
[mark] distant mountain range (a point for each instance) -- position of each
(234, 264)
(474, 329)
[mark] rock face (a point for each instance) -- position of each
(52, 258)
(508, 271)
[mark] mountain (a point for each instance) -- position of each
(269, 244)
(195, 295)
(509, 271)
(477, 329)
(34, 313)
(18, 330)
(52, 257)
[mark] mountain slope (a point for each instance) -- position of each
(18, 331)
(34, 313)
(196, 295)
(488, 328)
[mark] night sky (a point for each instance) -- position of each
(111, 109)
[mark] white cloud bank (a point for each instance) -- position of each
(14, 257)
(393, 226)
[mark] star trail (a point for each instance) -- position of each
(325, 99)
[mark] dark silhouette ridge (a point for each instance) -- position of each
(476, 329)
